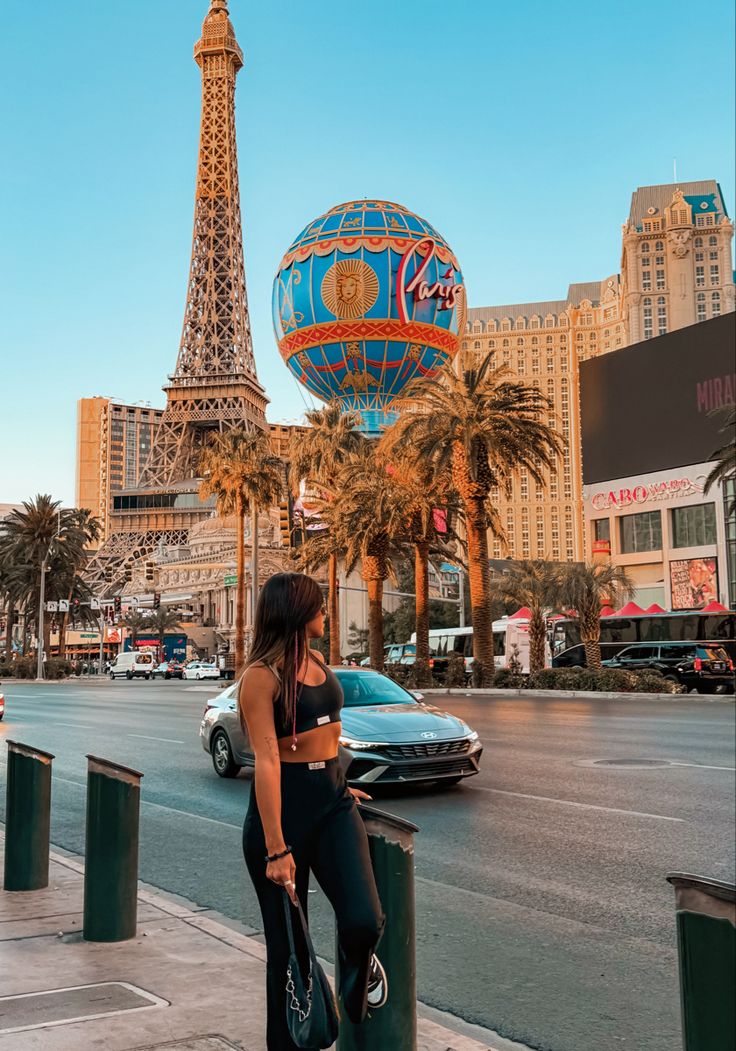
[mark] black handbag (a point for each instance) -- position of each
(311, 1011)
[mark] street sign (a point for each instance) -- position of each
(63, 605)
(231, 580)
(94, 603)
(52, 607)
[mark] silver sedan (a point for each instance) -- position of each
(389, 736)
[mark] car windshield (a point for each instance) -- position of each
(714, 653)
(362, 688)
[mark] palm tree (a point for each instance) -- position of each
(725, 469)
(535, 584)
(479, 427)
(239, 468)
(162, 621)
(315, 458)
(367, 512)
(136, 623)
(45, 542)
(584, 589)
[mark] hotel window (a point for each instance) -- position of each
(642, 532)
(476, 345)
(714, 274)
(659, 247)
(701, 306)
(712, 240)
(661, 316)
(491, 343)
(646, 281)
(699, 276)
(521, 366)
(646, 260)
(505, 343)
(715, 308)
(645, 247)
(659, 260)
(694, 526)
(660, 280)
(698, 242)
(713, 253)
(602, 529)
(579, 337)
(647, 319)
(520, 341)
(699, 256)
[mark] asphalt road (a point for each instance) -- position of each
(542, 907)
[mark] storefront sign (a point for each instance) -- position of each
(694, 582)
(231, 580)
(649, 493)
(418, 286)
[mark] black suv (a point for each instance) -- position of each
(701, 666)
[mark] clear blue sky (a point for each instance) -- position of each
(518, 130)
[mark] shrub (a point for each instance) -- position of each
(652, 681)
(57, 669)
(607, 680)
(455, 670)
(419, 675)
(508, 679)
(25, 667)
(398, 672)
(481, 676)
(555, 679)
(7, 671)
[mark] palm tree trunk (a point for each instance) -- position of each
(9, 614)
(240, 586)
(333, 610)
(590, 633)
(62, 636)
(421, 601)
(537, 639)
(374, 577)
(479, 576)
(254, 585)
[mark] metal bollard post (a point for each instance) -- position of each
(706, 941)
(391, 841)
(111, 851)
(28, 817)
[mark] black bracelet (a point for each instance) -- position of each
(275, 857)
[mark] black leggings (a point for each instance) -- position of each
(320, 821)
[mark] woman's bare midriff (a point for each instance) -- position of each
(312, 746)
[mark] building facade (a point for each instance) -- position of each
(652, 418)
(544, 343)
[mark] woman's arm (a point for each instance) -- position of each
(256, 697)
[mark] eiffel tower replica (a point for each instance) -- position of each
(215, 385)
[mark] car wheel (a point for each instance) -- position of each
(672, 678)
(167, 675)
(199, 677)
(129, 675)
(576, 667)
(112, 676)
(222, 755)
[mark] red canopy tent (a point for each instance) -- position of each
(714, 607)
(629, 610)
(655, 608)
(607, 611)
(521, 614)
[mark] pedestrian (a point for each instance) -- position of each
(302, 816)
(345, 662)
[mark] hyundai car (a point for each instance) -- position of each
(389, 736)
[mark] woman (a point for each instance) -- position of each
(301, 814)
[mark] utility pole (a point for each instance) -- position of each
(39, 618)
(461, 596)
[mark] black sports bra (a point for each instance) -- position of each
(315, 705)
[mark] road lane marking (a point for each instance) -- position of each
(570, 802)
(146, 737)
(77, 726)
(160, 806)
(702, 766)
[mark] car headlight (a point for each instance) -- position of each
(360, 746)
(472, 736)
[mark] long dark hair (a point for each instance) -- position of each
(286, 604)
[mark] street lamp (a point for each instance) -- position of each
(42, 599)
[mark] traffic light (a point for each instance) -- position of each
(128, 574)
(118, 605)
(156, 599)
(149, 571)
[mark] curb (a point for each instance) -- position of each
(454, 1032)
(589, 695)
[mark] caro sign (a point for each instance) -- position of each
(646, 493)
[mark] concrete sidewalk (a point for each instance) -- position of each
(186, 982)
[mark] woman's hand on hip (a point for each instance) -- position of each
(358, 795)
(283, 872)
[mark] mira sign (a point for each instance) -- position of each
(643, 494)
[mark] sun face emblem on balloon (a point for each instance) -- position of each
(349, 288)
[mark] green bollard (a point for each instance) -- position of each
(111, 851)
(28, 818)
(706, 941)
(394, 1026)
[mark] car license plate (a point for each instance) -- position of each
(718, 666)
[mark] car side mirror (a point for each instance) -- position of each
(415, 693)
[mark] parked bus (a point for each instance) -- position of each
(617, 632)
(507, 633)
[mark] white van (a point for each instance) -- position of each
(133, 663)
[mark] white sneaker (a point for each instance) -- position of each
(377, 983)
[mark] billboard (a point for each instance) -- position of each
(694, 582)
(647, 407)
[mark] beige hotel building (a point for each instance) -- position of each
(676, 270)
